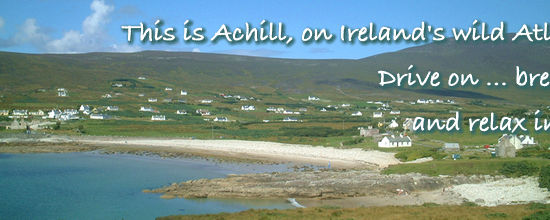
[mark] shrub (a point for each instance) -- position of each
(540, 215)
(520, 168)
(544, 177)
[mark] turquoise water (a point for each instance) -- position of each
(95, 186)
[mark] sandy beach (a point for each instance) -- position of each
(271, 151)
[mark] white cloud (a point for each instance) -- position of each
(92, 37)
(1, 22)
(196, 50)
(30, 32)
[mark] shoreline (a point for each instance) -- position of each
(253, 151)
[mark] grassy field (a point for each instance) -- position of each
(462, 167)
(427, 211)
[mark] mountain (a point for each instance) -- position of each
(92, 74)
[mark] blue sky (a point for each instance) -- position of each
(69, 26)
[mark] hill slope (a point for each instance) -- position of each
(94, 73)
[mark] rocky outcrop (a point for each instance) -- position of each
(311, 184)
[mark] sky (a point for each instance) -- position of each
(79, 26)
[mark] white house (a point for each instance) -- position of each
(142, 78)
(526, 140)
(323, 110)
(395, 112)
(271, 109)
(289, 119)
(514, 140)
(84, 108)
(107, 96)
(288, 112)
(408, 124)
(221, 119)
(206, 101)
(168, 89)
(37, 113)
(112, 108)
(313, 98)
(422, 101)
(19, 112)
(248, 108)
(119, 85)
(346, 105)
(61, 89)
(152, 100)
(98, 116)
(146, 109)
(265, 121)
(358, 113)
(377, 114)
(4, 112)
(158, 118)
(54, 114)
(141, 95)
(302, 109)
(62, 94)
(70, 111)
(167, 100)
(202, 112)
(183, 92)
(181, 112)
(393, 124)
(392, 141)
(66, 117)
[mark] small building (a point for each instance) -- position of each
(526, 140)
(17, 112)
(345, 105)
(70, 111)
(408, 124)
(84, 108)
(513, 139)
(206, 101)
(146, 109)
(395, 112)
(158, 118)
(392, 141)
(505, 148)
(248, 108)
(112, 108)
(119, 85)
(358, 113)
(4, 112)
(323, 110)
(393, 124)
(221, 119)
(183, 92)
(37, 113)
(167, 100)
(152, 100)
(265, 121)
(202, 112)
(107, 96)
(290, 119)
(451, 147)
(181, 112)
(54, 114)
(302, 109)
(141, 95)
(142, 78)
(377, 114)
(98, 116)
(368, 132)
(62, 94)
(168, 89)
(313, 98)
(271, 109)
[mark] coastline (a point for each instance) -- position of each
(258, 151)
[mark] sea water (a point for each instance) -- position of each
(91, 185)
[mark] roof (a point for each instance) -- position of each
(399, 139)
